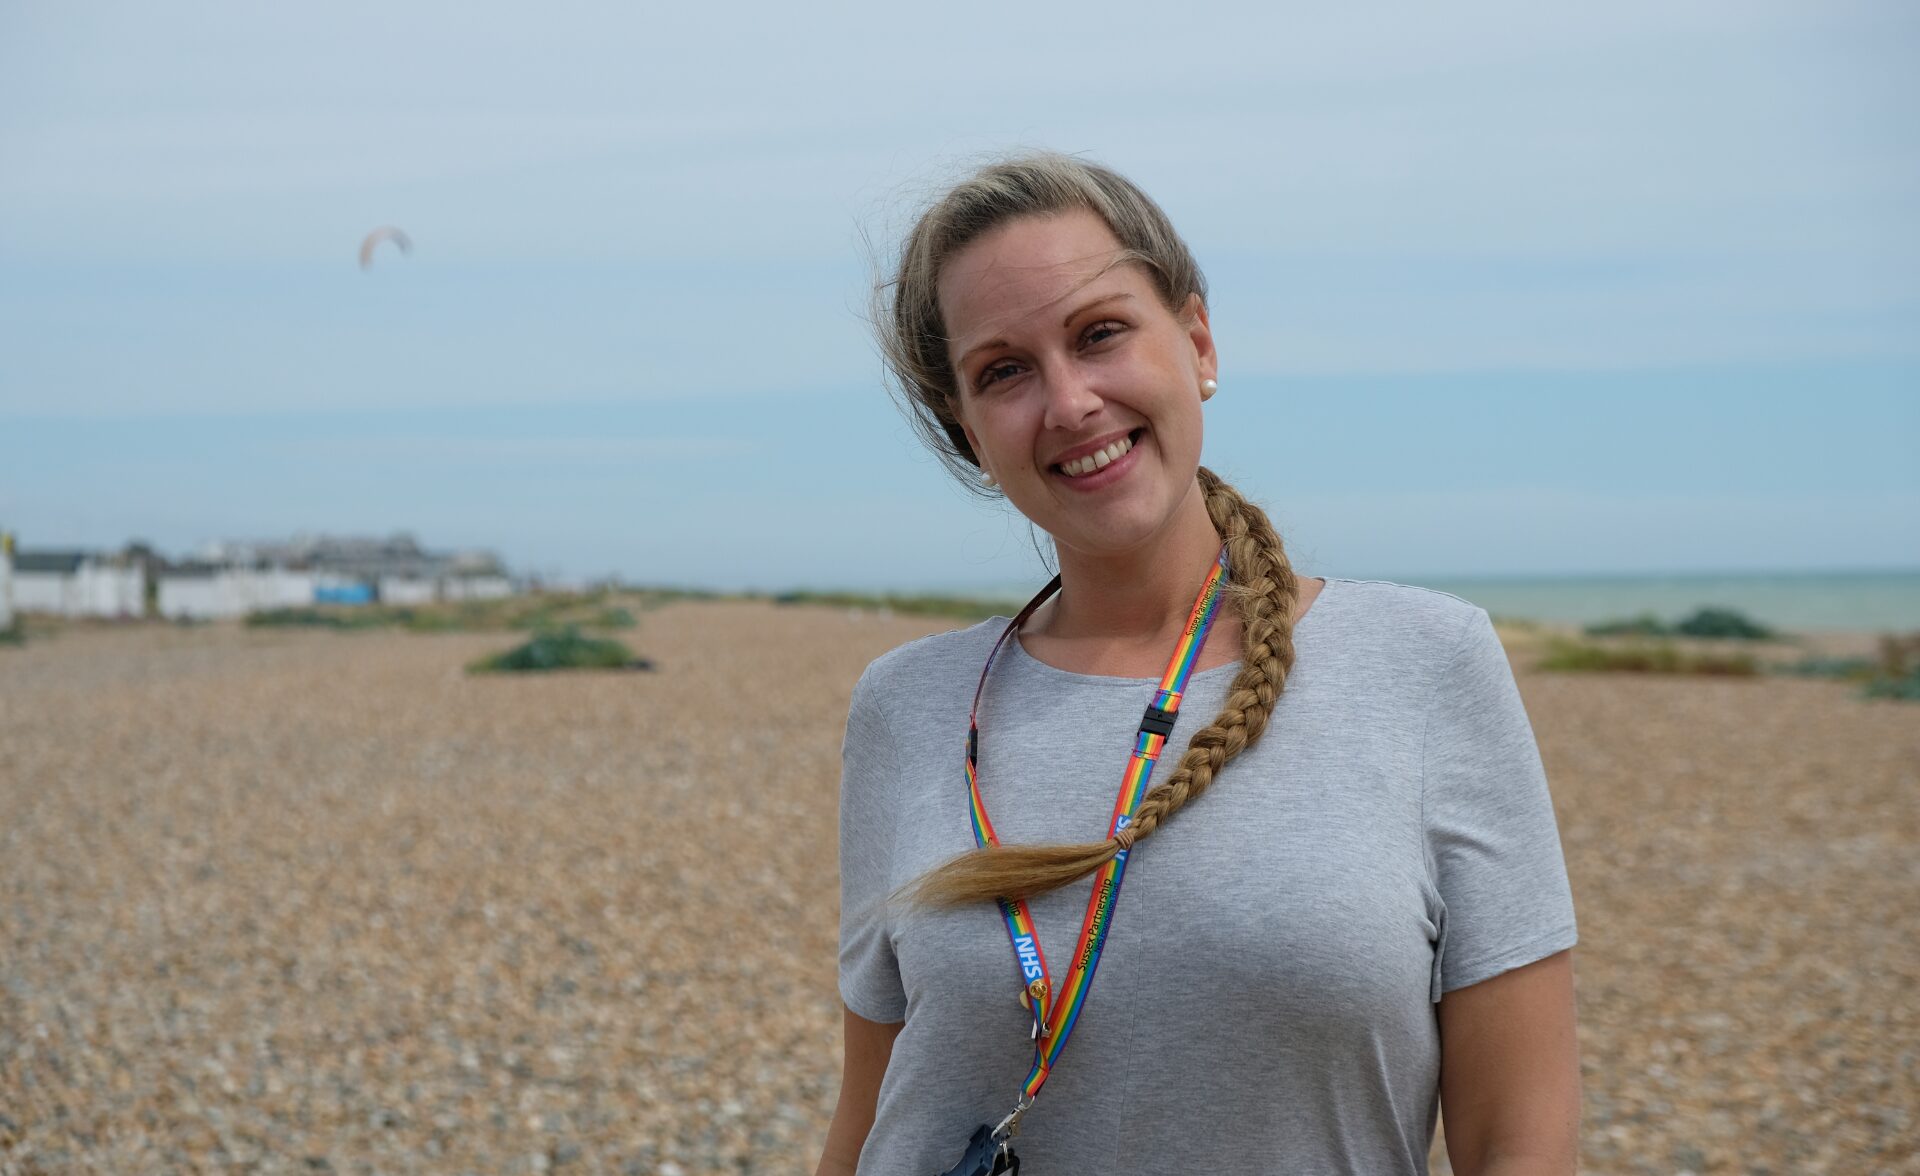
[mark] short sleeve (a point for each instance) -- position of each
(1493, 849)
(869, 972)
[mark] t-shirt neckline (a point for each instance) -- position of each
(1019, 654)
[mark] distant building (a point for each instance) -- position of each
(75, 583)
(234, 578)
(202, 591)
(461, 586)
(406, 590)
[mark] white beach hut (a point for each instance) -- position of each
(209, 592)
(77, 584)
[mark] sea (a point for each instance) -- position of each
(1828, 601)
(1877, 601)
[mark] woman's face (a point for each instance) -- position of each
(1059, 353)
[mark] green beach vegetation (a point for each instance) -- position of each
(1905, 688)
(326, 617)
(533, 612)
(1705, 622)
(1895, 673)
(608, 608)
(1644, 657)
(562, 625)
(1649, 646)
(565, 648)
(962, 607)
(35, 626)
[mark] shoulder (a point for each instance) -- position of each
(935, 660)
(1446, 651)
(1420, 625)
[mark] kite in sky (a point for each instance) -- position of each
(383, 233)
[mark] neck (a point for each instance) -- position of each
(1144, 595)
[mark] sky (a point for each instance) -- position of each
(1498, 288)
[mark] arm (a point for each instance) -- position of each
(869, 1047)
(1510, 1072)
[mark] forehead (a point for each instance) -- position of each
(1026, 268)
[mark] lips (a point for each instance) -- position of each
(1085, 459)
(1097, 460)
(1095, 475)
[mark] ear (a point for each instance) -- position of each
(955, 421)
(1200, 334)
(973, 443)
(959, 418)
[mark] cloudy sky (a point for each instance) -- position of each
(1498, 288)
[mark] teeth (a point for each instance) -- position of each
(1099, 459)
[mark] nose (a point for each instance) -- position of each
(1070, 398)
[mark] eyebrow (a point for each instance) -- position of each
(1065, 322)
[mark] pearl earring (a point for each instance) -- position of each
(1208, 388)
(987, 478)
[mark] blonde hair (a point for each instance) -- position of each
(1263, 588)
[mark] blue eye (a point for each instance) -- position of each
(997, 371)
(1094, 334)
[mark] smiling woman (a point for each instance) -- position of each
(1365, 860)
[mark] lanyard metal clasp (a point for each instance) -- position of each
(1034, 998)
(1010, 1126)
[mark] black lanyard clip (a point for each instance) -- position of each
(986, 1156)
(1158, 722)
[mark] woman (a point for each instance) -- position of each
(1345, 858)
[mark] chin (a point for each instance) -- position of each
(1110, 522)
(1117, 539)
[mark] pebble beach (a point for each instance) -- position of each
(301, 901)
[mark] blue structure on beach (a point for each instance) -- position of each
(350, 593)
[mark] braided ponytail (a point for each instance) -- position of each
(1263, 590)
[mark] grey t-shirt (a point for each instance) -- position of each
(1265, 1000)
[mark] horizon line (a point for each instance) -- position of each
(959, 588)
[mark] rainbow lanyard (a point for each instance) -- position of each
(1056, 1011)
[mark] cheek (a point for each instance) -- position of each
(1182, 430)
(1005, 429)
